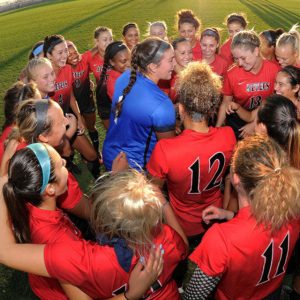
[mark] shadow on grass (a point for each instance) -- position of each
(105, 9)
(273, 14)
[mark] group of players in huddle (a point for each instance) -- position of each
(173, 112)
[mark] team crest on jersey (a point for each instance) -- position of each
(78, 74)
(258, 86)
(61, 85)
(99, 69)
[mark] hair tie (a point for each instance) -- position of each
(276, 170)
(41, 153)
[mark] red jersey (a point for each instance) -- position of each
(111, 81)
(172, 92)
(164, 85)
(71, 197)
(63, 88)
(193, 165)
(96, 64)
(96, 271)
(81, 79)
(225, 52)
(249, 89)
(5, 133)
(197, 51)
(219, 65)
(47, 226)
(250, 259)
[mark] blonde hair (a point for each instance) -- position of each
(269, 180)
(162, 24)
(128, 206)
(290, 38)
(248, 39)
(32, 65)
(198, 90)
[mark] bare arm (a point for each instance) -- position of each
(222, 110)
(26, 258)
(169, 214)
(244, 114)
(82, 209)
(73, 292)
(76, 111)
(165, 135)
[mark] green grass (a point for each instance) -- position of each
(76, 20)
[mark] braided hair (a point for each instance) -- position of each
(151, 50)
(110, 52)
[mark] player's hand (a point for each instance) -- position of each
(80, 126)
(120, 163)
(7, 155)
(145, 273)
(232, 107)
(215, 213)
(247, 130)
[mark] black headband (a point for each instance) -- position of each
(117, 48)
(53, 44)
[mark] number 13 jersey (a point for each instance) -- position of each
(193, 165)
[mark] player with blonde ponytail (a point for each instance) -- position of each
(255, 246)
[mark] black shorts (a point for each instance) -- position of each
(87, 105)
(234, 121)
(103, 103)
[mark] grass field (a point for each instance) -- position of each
(76, 20)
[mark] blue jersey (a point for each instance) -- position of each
(146, 110)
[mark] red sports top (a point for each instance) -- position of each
(5, 133)
(172, 92)
(219, 65)
(63, 88)
(96, 271)
(251, 261)
(96, 63)
(81, 78)
(249, 89)
(197, 52)
(111, 81)
(193, 165)
(47, 227)
(225, 52)
(164, 85)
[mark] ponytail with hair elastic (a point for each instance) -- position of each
(266, 176)
(25, 184)
(126, 91)
(276, 199)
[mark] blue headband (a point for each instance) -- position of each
(43, 158)
(38, 50)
